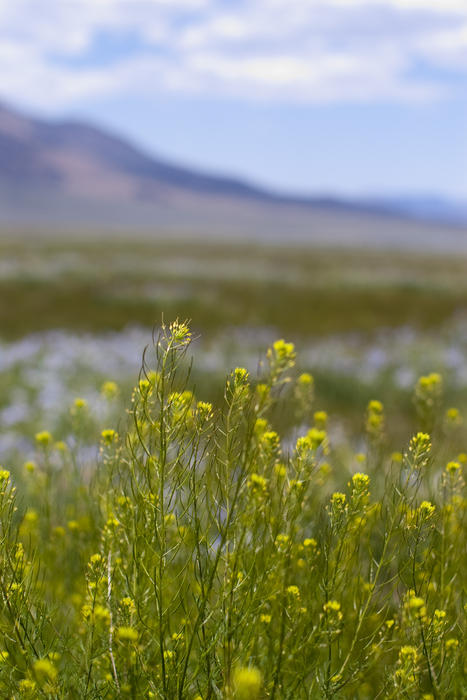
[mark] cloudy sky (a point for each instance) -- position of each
(344, 96)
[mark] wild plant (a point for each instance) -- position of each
(207, 556)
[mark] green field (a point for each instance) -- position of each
(187, 551)
(367, 323)
(297, 291)
(291, 532)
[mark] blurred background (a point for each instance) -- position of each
(266, 168)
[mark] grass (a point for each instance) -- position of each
(301, 292)
(307, 295)
(244, 546)
(202, 554)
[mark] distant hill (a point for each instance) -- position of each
(69, 176)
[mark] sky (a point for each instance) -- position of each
(347, 97)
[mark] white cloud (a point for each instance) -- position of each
(312, 50)
(439, 6)
(447, 48)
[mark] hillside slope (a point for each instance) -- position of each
(70, 176)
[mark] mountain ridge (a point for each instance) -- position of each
(69, 172)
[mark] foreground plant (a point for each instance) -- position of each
(208, 557)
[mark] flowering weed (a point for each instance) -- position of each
(209, 557)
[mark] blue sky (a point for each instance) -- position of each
(353, 97)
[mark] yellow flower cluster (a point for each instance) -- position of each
(247, 683)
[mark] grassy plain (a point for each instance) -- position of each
(105, 285)
(346, 308)
(321, 537)
(205, 555)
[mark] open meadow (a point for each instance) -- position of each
(231, 515)
(366, 323)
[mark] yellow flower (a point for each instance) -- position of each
(284, 352)
(453, 467)
(360, 481)
(261, 425)
(293, 591)
(408, 654)
(303, 446)
(109, 436)
(204, 410)
(282, 539)
(26, 685)
(429, 384)
(109, 389)
(95, 559)
(79, 405)
(453, 417)
(375, 418)
(127, 634)
(420, 444)
(280, 469)
(451, 644)
(415, 605)
(439, 619)
(44, 438)
(320, 419)
(247, 683)
(240, 375)
(426, 509)
(45, 670)
(31, 517)
(128, 604)
(257, 483)
(305, 380)
(338, 502)
(317, 437)
(296, 486)
(144, 386)
(332, 606)
(101, 614)
(180, 332)
(375, 406)
(270, 441)
(86, 611)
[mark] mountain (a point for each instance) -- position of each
(68, 176)
(430, 208)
